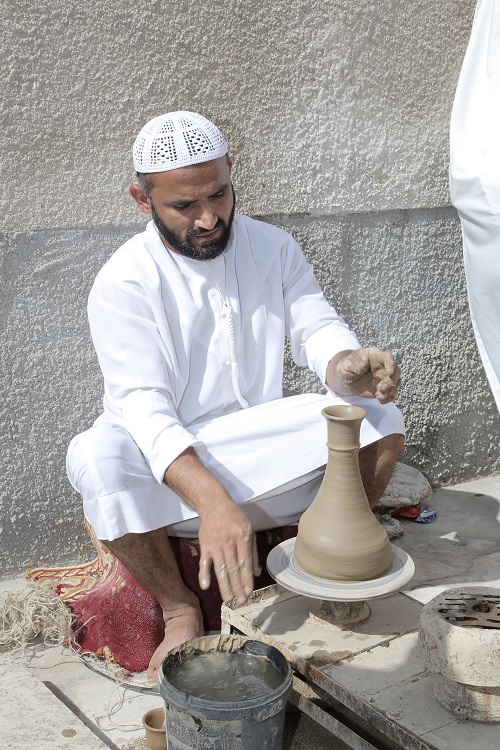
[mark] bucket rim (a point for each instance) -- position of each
(181, 698)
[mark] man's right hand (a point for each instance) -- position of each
(368, 372)
(226, 535)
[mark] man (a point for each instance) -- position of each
(475, 181)
(189, 320)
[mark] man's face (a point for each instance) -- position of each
(193, 208)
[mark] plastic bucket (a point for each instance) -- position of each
(194, 723)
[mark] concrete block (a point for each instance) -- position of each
(32, 716)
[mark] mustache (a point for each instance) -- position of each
(197, 232)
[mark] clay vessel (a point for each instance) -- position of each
(338, 537)
(154, 723)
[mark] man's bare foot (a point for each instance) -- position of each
(180, 627)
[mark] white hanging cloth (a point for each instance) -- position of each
(475, 180)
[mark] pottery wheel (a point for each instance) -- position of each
(285, 571)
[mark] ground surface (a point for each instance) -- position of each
(53, 700)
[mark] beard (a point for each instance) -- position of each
(209, 250)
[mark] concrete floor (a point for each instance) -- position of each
(52, 699)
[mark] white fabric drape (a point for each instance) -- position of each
(261, 453)
(192, 355)
(475, 180)
(181, 341)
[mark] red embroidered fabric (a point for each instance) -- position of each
(117, 619)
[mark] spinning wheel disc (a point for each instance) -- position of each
(285, 571)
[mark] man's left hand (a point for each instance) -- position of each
(366, 372)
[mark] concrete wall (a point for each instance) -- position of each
(337, 114)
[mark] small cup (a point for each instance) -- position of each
(154, 724)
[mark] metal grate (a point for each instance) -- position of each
(472, 610)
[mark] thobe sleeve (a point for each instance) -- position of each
(137, 365)
(315, 331)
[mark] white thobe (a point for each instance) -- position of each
(192, 355)
(475, 180)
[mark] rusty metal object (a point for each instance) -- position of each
(479, 610)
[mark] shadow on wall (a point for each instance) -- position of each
(52, 389)
(397, 278)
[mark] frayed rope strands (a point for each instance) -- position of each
(37, 612)
(34, 612)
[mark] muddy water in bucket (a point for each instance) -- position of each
(225, 692)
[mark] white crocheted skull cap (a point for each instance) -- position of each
(177, 139)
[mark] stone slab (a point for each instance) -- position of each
(462, 547)
(394, 681)
(464, 735)
(31, 716)
(115, 709)
(286, 615)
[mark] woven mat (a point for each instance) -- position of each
(302, 733)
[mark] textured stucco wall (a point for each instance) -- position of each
(329, 106)
(337, 114)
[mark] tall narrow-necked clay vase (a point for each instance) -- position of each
(339, 538)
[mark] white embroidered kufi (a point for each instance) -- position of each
(177, 139)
